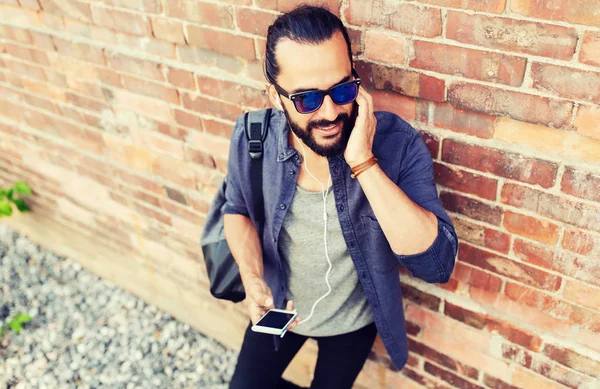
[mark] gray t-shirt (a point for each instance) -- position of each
(302, 247)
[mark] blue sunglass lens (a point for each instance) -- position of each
(344, 94)
(309, 102)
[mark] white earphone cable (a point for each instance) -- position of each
(324, 194)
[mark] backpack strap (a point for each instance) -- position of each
(256, 126)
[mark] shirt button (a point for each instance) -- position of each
(296, 157)
(281, 156)
(292, 172)
(363, 275)
(335, 170)
(341, 208)
(282, 206)
(282, 288)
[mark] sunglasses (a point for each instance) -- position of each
(311, 101)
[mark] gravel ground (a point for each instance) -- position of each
(87, 333)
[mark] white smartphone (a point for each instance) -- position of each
(275, 321)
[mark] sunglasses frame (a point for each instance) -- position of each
(327, 92)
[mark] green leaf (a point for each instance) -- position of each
(22, 318)
(22, 187)
(5, 208)
(21, 205)
(1, 332)
(15, 326)
(9, 194)
(3, 193)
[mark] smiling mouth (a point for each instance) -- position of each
(330, 130)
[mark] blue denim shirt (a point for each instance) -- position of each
(403, 156)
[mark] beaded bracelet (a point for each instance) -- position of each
(361, 167)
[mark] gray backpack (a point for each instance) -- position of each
(223, 271)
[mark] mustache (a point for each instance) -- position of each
(326, 123)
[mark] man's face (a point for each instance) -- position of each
(305, 67)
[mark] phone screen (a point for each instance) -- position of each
(275, 319)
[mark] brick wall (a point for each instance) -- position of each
(118, 114)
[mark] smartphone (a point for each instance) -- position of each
(275, 321)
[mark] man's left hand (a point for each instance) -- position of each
(360, 144)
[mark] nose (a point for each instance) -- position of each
(329, 110)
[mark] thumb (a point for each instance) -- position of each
(261, 294)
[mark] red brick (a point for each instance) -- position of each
(16, 34)
(532, 228)
(82, 29)
(423, 299)
(508, 268)
(128, 22)
(477, 278)
(519, 106)
(469, 63)
(492, 6)
(137, 67)
(356, 38)
(286, 6)
(230, 91)
(491, 324)
(465, 122)
(552, 306)
(31, 4)
(537, 254)
(254, 21)
(407, 82)
(481, 235)
(432, 142)
(216, 108)
(211, 14)
(472, 208)
(174, 131)
(566, 82)
(585, 185)
(582, 294)
(69, 8)
(146, 6)
(175, 171)
(580, 242)
(221, 42)
(512, 35)
(590, 50)
(495, 383)
(168, 30)
(406, 18)
(201, 158)
(384, 47)
(218, 128)
(587, 121)
(150, 89)
(552, 206)
(572, 359)
(187, 119)
(503, 164)
(466, 182)
(401, 105)
(561, 10)
(79, 51)
(449, 377)
(181, 78)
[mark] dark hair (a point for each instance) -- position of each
(304, 24)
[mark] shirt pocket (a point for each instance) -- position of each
(378, 253)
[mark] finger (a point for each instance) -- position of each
(289, 306)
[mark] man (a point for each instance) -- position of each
(348, 196)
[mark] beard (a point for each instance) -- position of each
(326, 150)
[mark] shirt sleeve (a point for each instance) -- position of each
(415, 178)
(235, 201)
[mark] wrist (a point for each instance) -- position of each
(355, 161)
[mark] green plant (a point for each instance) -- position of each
(7, 196)
(16, 323)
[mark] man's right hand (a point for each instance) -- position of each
(259, 298)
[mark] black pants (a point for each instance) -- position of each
(340, 359)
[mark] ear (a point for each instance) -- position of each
(274, 97)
